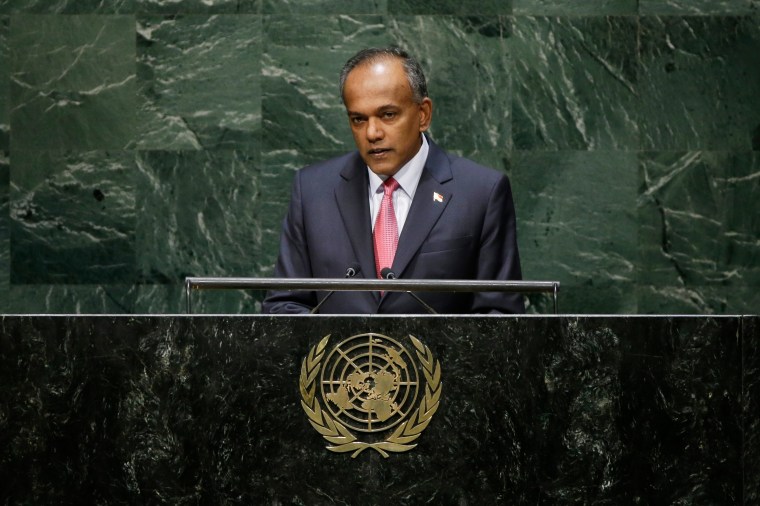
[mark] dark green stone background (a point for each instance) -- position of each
(142, 141)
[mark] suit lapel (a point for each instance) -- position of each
(425, 210)
(352, 199)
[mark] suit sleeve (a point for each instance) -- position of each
(498, 256)
(292, 261)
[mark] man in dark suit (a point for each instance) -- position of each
(398, 202)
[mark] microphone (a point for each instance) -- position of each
(387, 273)
(351, 271)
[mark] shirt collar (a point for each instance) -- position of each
(408, 176)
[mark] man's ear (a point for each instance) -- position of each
(426, 113)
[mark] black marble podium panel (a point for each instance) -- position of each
(539, 410)
(751, 416)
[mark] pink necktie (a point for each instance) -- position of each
(386, 229)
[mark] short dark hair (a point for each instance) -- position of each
(412, 68)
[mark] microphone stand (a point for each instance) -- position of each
(352, 271)
(386, 273)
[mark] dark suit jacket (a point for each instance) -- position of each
(470, 235)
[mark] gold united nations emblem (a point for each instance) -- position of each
(370, 386)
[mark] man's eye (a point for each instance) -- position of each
(389, 115)
(356, 120)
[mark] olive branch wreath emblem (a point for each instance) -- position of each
(343, 441)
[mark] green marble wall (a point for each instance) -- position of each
(142, 141)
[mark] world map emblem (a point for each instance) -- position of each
(369, 391)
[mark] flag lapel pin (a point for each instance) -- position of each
(437, 197)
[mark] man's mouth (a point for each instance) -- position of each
(378, 151)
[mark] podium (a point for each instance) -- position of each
(532, 410)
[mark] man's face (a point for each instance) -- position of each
(385, 120)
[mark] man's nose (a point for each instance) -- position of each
(374, 130)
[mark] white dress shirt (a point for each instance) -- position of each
(408, 177)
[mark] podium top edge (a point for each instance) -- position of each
(420, 315)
